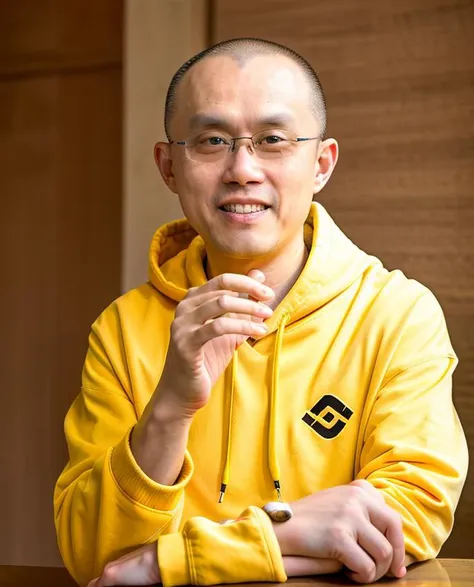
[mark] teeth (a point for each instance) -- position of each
(244, 209)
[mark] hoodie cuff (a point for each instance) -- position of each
(173, 560)
(139, 487)
(206, 553)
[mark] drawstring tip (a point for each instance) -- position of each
(222, 492)
(278, 488)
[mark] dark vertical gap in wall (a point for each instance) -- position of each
(211, 21)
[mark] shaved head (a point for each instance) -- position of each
(242, 50)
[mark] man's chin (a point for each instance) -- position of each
(244, 250)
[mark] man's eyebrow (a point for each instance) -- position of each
(201, 120)
(279, 119)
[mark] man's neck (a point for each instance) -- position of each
(281, 271)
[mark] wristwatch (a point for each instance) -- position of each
(278, 511)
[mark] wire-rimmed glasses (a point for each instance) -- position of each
(266, 144)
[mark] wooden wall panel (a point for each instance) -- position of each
(53, 35)
(159, 38)
(60, 240)
(399, 81)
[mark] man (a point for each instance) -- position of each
(268, 360)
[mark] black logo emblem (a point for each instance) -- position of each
(328, 417)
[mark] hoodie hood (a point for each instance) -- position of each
(177, 253)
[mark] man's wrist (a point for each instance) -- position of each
(281, 532)
(158, 442)
(160, 423)
(167, 411)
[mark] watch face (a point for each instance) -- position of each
(278, 511)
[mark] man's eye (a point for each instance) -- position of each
(214, 141)
(271, 140)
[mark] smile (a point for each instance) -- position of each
(244, 209)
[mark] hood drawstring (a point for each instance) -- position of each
(273, 464)
(226, 472)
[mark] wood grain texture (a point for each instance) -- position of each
(399, 82)
(159, 38)
(436, 573)
(39, 36)
(60, 242)
(19, 576)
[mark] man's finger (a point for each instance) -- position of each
(299, 566)
(257, 274)
(226, 305)
(394, 534)
(377, 547)
(389, 522)
(225, 325)
(237, 283)
(361, 567)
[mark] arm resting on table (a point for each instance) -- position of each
(104, 504)
(206, 553)
(414, 449)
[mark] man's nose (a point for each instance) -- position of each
(242, 165)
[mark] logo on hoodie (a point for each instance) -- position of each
(328, 416)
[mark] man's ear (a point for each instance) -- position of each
(164, 161)
(327, 159)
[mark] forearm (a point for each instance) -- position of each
(104, 503)
(159, 441)
(427, 518)
(93, 530)
(415, 453)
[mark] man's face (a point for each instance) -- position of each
(220, 97)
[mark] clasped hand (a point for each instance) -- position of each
(347, 528)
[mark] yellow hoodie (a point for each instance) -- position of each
(353, 380)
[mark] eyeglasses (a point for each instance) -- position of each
(266, 144)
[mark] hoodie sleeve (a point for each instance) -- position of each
(207, 553)
(104, 505)
(414, 449)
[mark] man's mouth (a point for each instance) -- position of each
(244, 208)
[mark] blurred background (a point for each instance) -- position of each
(82, 87)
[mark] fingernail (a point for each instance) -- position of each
(259, 276)
(266, 291)
(261, 328)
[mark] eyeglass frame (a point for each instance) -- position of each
(232, 145)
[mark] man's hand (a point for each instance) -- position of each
(210, 324)
(347, 526)
(350, 524)
(139, 567)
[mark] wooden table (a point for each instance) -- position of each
(436, 573)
